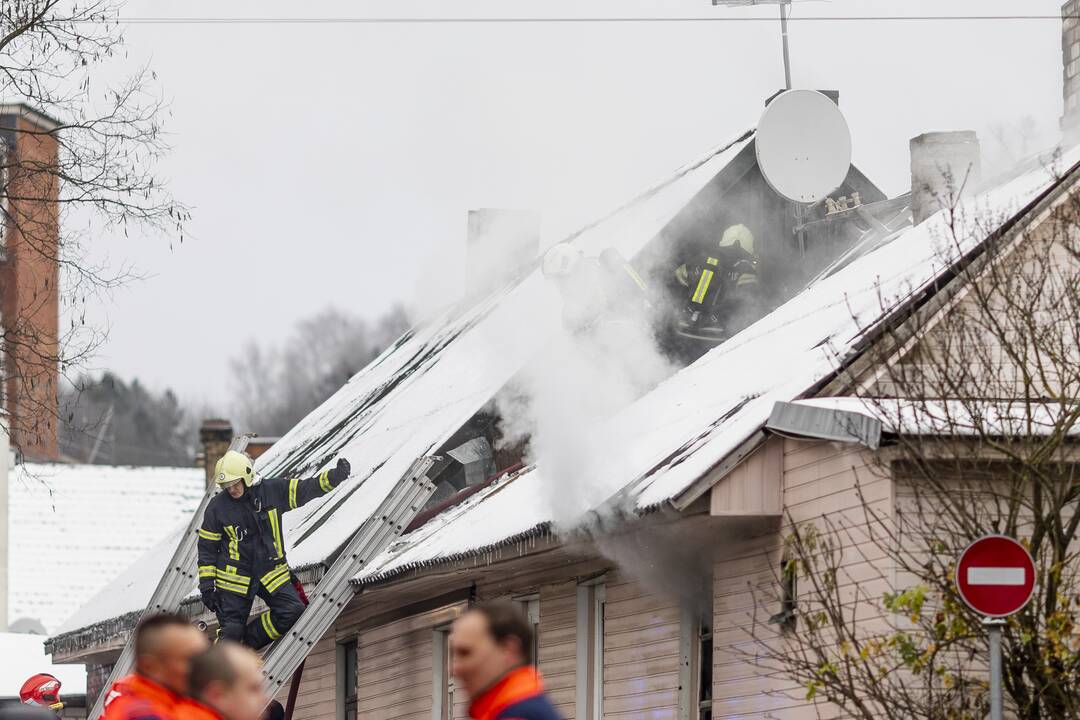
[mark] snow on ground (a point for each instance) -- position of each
(73, 528)
(24, 655)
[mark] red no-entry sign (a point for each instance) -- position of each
(995, 576)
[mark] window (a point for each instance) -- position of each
(530, 606)
(442, 705)
(696, 663)
(590, 650)
(346, 680)
(786, 618)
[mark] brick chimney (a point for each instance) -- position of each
(215, 435)
(29, 296)
(944, 166)
(1070, 76)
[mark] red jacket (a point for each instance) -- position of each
(193, 710)
(519, 695)
(138, 698)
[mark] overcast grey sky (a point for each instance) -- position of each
(333, 164)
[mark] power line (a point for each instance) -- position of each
(580, 20)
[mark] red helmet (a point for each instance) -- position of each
(42, 689)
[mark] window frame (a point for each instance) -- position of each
(344, 701)
(530, 606)
(443, 685)
(591, 604)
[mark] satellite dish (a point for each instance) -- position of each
(803, 145)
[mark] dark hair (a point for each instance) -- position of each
(149, 627)
(274, 711)
(505, 620)
(212, 665)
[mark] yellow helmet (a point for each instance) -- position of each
(738, 235)
(234, 466)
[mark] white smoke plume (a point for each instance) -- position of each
(563, 400)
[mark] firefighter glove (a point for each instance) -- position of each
(340, 471)
(210, 599)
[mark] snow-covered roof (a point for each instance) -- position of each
(410, 400)
(413, 398)
(421, 390)
(73, 528)
(686, 426)
(22, 656)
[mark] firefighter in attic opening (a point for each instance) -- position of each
(242, 548)
(721, 286)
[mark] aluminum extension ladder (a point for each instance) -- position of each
(334, 590)
(171, 589)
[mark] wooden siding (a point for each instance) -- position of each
(754, 486)
(819, 481)
(395, 667)
(641, 652)
(558, 644)
(315, 698)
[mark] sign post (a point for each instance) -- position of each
(995, 576)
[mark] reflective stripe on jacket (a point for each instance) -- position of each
(238, 538)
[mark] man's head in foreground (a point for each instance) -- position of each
(164, 646)
(227, 678)
(488, 641)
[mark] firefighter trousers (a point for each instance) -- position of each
(284, 606)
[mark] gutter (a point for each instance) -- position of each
(377, 579)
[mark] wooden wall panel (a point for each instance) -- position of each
(641, 652)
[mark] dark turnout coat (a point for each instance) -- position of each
(241, 544)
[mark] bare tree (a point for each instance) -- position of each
(982, 388)
(274, 388)
(78, 164)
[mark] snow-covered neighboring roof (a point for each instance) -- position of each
(73, 528)
(675, 434)
(22, 656)
(131, 588)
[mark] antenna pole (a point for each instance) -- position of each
(783, 37)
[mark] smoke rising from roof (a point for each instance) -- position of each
(561, 402)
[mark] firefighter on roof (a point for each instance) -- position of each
(595, 290)
(721, 286)
(242, 548)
